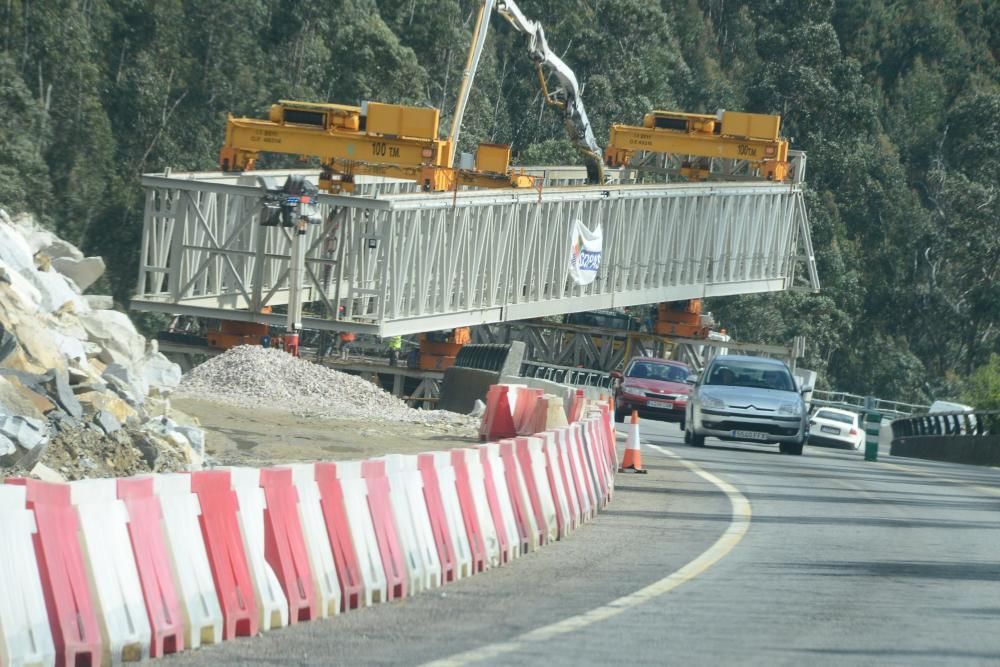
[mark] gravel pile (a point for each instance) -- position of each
(257, 377)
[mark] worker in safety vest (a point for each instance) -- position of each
(395, 347)
(346, 338)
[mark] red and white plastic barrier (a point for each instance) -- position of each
(116, 570)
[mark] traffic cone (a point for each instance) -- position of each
(633, 454)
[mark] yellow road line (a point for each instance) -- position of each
(738, 526)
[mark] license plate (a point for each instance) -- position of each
(661, 404)
(749, 435)
(830, 429)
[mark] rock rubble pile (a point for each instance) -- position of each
(78, 383)
(257, 377)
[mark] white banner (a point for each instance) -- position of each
(584, 252)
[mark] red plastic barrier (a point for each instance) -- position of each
(494, 502)
(339, 531)
(524, 411)
(598, 455)
(477, 544)
(508, 454)
(285, 544)
(439, 521)
(152, 560)
(523, 452)
(576, 410)
(609, 431)
(72, 616)
(385, 528)
(498, 420)
(224, 544)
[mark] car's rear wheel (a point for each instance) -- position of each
(693, 439)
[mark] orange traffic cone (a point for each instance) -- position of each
(633, 454)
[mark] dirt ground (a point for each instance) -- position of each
(260, 437)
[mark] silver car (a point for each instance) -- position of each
(750, 399)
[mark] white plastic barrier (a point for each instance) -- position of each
(579, 462)
(477, 482)
(321, 563)
(538, 464)
(405, 480)
(359, 517)
(568, 478)
(550, 450)
(192, 572)
(593, 481)
(453, 513)
(25, 635)
(111, 570)
(272, 605)
(413, 558)
(498, 473)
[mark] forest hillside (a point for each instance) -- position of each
(896, 102)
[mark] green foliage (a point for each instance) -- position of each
(895, 102)
(982, 389)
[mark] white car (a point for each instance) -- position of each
(837, 428)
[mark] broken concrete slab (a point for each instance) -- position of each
(60, 390)
(7, 447)
(84, 272)
(46, 474)
(14, 250)
(107, 422)
(56, 248)
(7, 342)
(160, 373)
(29, 437)
(56, 291)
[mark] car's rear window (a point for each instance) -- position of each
(835, 416)
(750, 374)
(650, 370)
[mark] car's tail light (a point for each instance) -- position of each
(854, 431)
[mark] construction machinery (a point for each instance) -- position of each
(749, 142)
(683, 319)
(376, 139)
(401, 141)
(568, 98)
(438, 349)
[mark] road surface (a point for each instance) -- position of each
(720, 555)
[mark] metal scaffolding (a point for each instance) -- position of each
(390, 262)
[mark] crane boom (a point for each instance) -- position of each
(581, 134)
(574, 115)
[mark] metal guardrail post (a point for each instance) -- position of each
(873, 424)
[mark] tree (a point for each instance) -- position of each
(982, 389)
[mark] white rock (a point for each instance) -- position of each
(27, 293)
(71, 348)
(46, 474)
(159, 372)
(114, 332)
(56, 291)
(99, 301)
(59, 249)
(14, 251)
(84, 272)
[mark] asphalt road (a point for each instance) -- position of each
(728, 554)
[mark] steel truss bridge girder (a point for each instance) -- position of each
(406, 263)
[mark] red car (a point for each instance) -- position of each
(657, 388)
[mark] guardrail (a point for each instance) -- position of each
(842, 399)
(580, 377)
(970, 424)
(957, 437)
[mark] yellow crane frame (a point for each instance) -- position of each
(754, 138)
(376, 139)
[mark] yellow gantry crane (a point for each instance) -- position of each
(750, 138)
(377, 139)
